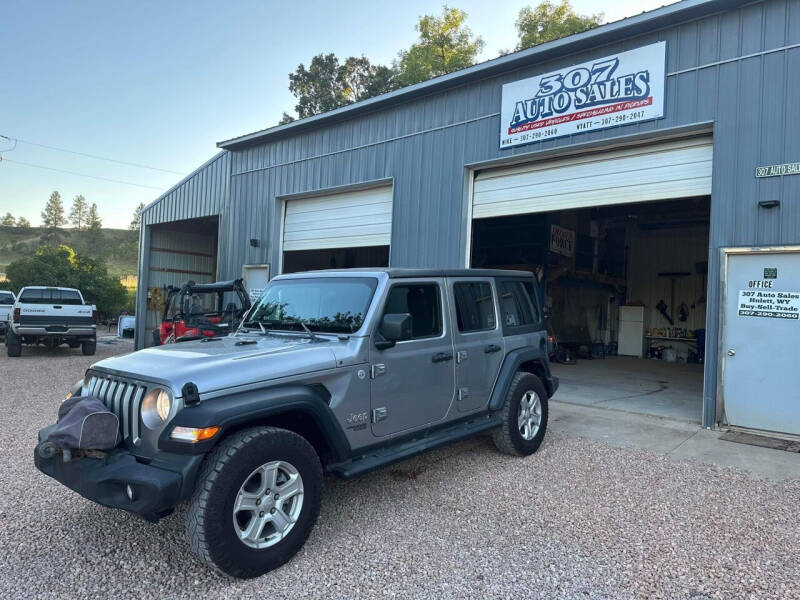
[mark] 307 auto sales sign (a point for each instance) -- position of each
(615, 90)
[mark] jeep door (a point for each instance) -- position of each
(478, 341)
(413, 382)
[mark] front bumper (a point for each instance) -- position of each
(156, 489)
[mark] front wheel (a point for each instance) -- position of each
(89, 348)
(524, 416)
(257, 498)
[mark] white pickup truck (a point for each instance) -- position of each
(51, 316)
(7, 300)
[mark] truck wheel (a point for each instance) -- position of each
(256, 500)
(13, 347)
(89, 348)
(524, 416)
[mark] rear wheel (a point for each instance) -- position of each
(256, 501)
(13, 344)
(524, 416)
(89, 348)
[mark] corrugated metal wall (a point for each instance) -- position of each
(737, 69)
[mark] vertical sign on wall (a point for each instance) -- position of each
(616, 90)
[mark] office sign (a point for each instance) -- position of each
(562, 240)
(616, 90)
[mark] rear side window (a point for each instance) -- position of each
(422, 302)
(517, 304)
(50, 297)
(474, 306)
(6, 299)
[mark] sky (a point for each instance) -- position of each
(158, 83)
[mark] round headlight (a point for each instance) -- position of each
(155, 407)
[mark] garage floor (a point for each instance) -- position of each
(635, 385)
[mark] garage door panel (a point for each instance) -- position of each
(350, 219)
(621, 195)
(653, 173)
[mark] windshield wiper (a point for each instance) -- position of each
(302, 323)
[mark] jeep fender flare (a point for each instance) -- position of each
(511, 365)
(253, 407)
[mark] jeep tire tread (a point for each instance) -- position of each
(507, 437)
(88, 348)
(209, 517)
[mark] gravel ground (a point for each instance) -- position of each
(579, 519)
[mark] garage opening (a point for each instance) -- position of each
(180, 251)
(338, 231)
(623, 273)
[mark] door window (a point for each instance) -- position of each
(422, 302)
(474, 306)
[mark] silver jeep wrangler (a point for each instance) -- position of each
(331, 372)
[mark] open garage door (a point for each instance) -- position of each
(343, 230)
(676, 169)
(619, 241)
(180, 251)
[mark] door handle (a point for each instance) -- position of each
(442, 357)
(492, 348)
(731, 352)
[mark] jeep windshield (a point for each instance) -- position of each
(324, 304)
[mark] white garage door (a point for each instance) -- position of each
(676, 169)
(347, 220)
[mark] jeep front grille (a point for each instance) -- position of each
(123, 398)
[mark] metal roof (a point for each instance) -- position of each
(685, 10)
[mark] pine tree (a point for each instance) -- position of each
(8, 220)
(53, 213)
(93, 221)
(136, 222)
(23, 223)
(79, 213)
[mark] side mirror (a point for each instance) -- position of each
(394, 328)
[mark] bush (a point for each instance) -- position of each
(60, 266)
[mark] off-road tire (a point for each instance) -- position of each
(209, 517)
(507, 437)
(88, 348)
(13, 345)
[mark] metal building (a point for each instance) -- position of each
(645, 170)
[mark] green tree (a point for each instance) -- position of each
(93, 220)
(79, 214)
(328, 84)
(548, 21)
(53, 213)
(136, 222)
(318, 89)
(23, 223)
(8, 220)
(61, 266)
(360, 79)
(445, 45)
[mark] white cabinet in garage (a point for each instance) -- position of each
(343, 220)
(675, 169)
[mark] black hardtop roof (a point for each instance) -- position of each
(406, 273)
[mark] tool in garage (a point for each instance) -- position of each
(661, 306)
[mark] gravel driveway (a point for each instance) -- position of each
(578, 519)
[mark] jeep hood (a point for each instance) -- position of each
(225, 362)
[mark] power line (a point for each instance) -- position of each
(121, 162)
(79, 174)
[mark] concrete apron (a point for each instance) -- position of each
(680, 440)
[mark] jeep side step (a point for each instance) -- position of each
(422, 443)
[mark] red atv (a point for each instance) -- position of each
(199, 310)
